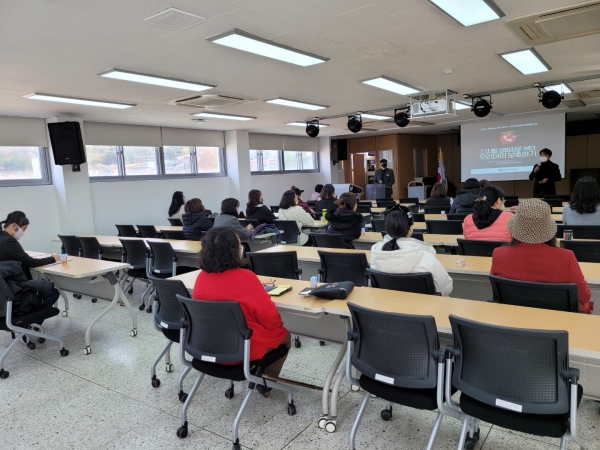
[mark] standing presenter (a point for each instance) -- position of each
(385, 176)
(544, 175)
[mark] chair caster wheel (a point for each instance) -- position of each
(94, 300)
(291, 409)
(169, 368)
(182, 397)
(331, 426)
(77, 296)
(4, 374)
(41, 340)
(354, 387)
(297, 342)
(321, 343)
(321, 421)
(229, 393)
(469, 443)
(182, 432)
(130, 291)
(64, 313)
(386, 414)
(149, 309)
(237, 447)
(133, 333)
(155, 382)
(87, 350)
(31, 346)
(142, 307)
(64, 352)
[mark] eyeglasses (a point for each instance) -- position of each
(269, 283)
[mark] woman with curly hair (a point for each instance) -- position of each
(583, 207)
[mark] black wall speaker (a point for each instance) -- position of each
(339, 149)
(67, 143)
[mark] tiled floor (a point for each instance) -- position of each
(104, 400)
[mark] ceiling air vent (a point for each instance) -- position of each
(587, 94)
(212, 100)
(559, 24)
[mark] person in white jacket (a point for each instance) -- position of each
(399, 253)
(289, 210)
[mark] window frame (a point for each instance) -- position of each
(282, 169)
(46, 170)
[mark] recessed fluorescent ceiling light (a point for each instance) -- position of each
(79, 101)
(136, 77)
(303, 124)
(526, 61)
(560, 88)
(374, 116)
(295, 104)
(222, 116)
(389, 84)
(469, 12)
(249, 43)
(460, 105)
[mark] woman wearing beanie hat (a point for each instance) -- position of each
(534, 255)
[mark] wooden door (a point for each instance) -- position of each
(358, 172)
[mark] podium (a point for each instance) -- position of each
(375, 191)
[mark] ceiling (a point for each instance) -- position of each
(58, 47)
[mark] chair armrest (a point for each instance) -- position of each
(571, 374)
(452, 351)
(352, 335)
(439, 355)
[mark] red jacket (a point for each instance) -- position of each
(498, 231)
(243, 286)
(542, 263)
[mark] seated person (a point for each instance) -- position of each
(15, 225)
(289, 210)
(230, 211)
(328, 199)
(488, 221)
(256, 210)
(534, 255)
(345, 220)
(223, 278)
(583, 207)
(176, 209)
(465, 198)
(316, 196)
(195, 220)
(301, 203)
(399, 253)
(438, 196)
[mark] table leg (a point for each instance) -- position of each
(65, 313)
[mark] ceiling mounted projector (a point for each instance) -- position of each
(355, 123)
(550, 99)
(312, 128)
(401, 118)
(481, 107)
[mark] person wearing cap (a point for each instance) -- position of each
(534, 255)
(399, 253)
(544, 174)
(301, 203)
(385, 176)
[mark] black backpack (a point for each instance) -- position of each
(26, 301)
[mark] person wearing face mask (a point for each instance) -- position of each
(230, 211)
(544, 175)
(489, 220)
(385, 176)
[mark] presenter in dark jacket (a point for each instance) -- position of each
(256, 210)
(345, 220)
(385, 176)
(195, 220)
(545, 174)
(465, 198)
(438, 196)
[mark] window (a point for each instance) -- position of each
(24, 165)
(263, 161)
(254, 156)
(118, 162)
(271, 160)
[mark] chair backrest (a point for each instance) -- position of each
(378, 225)
(208, 211)
(215, 330)
(174, 234)
(365, 202)
(553, 201)
(444, 226)
(556, 296)
(289, 231)
(521, 367)
(460, 217)
(135, 253)
(419, 217)
(585, 251)
(5, 295)
(176, 222)
(147, 231)
(363, 209)
(344, 266)
(417, 235)
(413, 200)
(419, 283)
(473, 247)
(163, 259)
(384, 203)
(311, 202)
(276, 265)
(511, 197)
(398, 348)
(579, 231)
(126, 230)
(436, 209)
(274, 209)
(246, 222)
(328, 240)
(212, 220)
(70, 245)
(170, 311)
(90, 247)
(510, 202)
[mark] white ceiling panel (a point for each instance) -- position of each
(251, 22)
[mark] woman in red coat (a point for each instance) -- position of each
(222, 278)
(534, 255)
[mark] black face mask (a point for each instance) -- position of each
(384, 165)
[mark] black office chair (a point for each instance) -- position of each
(311, 203)
(246, 222)
(176, 222)
(274, 209)
(135, 253)
(509, 203)
(276, 265)
(511, 197)
(556, 296)
(365, 202)
(126, 231)
(413, 200)
(216, 336)
(418, 236)
(460, 217)
(167, 318)
(418, 217)
(585, 251)
(436, 209)
(328, 240)
(289, 232)
(177, 235)
(444, 226)
(148, 231)
(399, 360)
(343, 266)
(26, 325)
(71, 246)
(384, 203)
(516, 378)
(212, 220)
(90, 247)
(563, 197)
(163, 261)
(363, 209)
(579, 231)
(419, 283)
(378, 225)
(553, 202)
(473, 247)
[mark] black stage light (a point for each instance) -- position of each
(481, 107)
(312, 128)
(401, 118)
(355, 123)
(550, 99)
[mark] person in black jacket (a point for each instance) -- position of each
(465, 199)
(195, 220)
(545, 174)
(328, 200)
(345, 220)
(256, 210)
(438, 196)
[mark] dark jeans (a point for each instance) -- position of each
(388, 192)
(51, 298)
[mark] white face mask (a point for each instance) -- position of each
(19, 233)
(543, 158)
